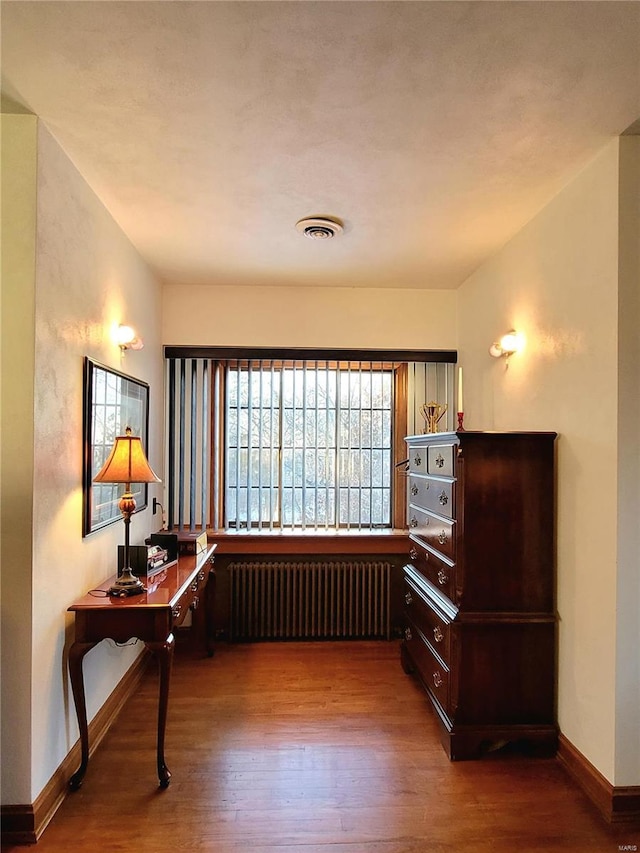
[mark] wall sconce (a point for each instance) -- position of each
(507, 345)
(128, 339)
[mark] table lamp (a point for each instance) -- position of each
(126, 464)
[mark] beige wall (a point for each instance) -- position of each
(628, 585)
(557, 283)
(16, 458)
(309, 317)
(89, 279)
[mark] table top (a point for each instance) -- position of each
(161, 590)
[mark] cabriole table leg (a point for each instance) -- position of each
(76, 655)
(164, 651)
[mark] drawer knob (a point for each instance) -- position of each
(414, 489)
(413, 522)
(438, 636)
(437, 679)
(442, 537)
(413, 554)
(176, 611)
(407, 634)
(444, 500)
(408, 597)
(443, 577)
(194, 604)
(439, 460)
(417, 460)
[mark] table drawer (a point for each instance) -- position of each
(191, 598)
(431, 494)
(438, 571)
(433, 673)
(435, 629)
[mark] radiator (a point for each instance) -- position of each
(309, 600)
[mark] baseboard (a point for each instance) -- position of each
(24, 824)
(617, 805)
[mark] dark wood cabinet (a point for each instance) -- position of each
(479, 587)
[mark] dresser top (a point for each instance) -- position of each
(462, 434)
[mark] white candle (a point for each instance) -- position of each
(460, 409)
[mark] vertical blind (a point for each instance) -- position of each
(290, 443)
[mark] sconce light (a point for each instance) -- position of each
(128, 339)
(507, 345)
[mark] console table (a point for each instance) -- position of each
(151, 617)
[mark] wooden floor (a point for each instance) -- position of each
(312, 748)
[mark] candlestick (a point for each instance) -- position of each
(460, 406)
(460, 421)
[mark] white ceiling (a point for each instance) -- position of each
(435, 130)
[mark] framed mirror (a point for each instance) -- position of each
(112, 402)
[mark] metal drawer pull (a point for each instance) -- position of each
(413, 554)
(413, 522)
(194, 586)
(407, 634)
(438, 636)
(442, 537)
(201, 574)
(194, 604)
(414, 489)
(444, 500)
(439, 460)
(408, 597)
(443, 577)
(417, 460)
(176, 611)
(437, 679)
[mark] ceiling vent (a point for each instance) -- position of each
(319, 227)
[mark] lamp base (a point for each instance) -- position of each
(127, 584)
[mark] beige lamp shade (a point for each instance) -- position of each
(127, 463)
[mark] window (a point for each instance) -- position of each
(291, 440)
(308, 444)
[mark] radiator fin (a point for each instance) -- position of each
(312, 600)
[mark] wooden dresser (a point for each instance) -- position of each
(479, 587)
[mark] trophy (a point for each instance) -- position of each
(432, 412)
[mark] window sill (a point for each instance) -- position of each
(390, 541)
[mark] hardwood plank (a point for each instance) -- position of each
(313, 748)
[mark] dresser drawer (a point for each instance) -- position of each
(433, 672)
(435, 629)
(418, 460)
(440, 459)
(438, 571)
(191, 598)
(428, 493)
(436, 532)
